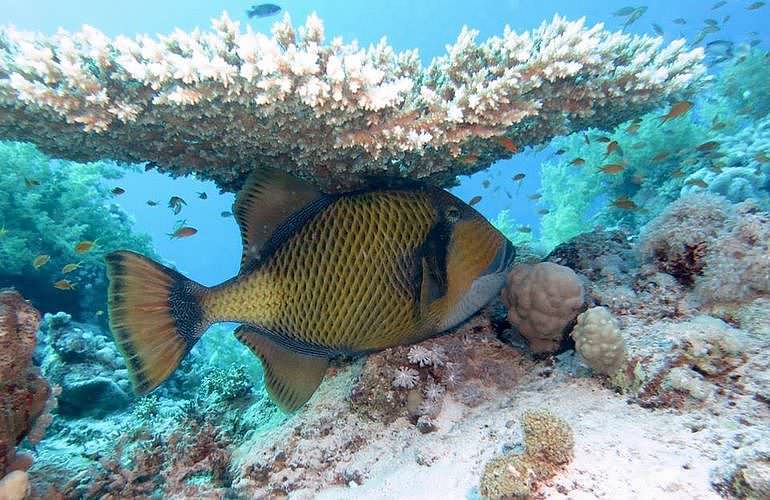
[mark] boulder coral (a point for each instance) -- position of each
(542, 300)
(332, 112)
(599, 341)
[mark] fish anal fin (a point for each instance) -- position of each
(268, 199)
(291, 378)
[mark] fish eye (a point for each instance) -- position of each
(452, 214)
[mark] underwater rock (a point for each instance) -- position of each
(597, 253)
(23, 392)
(85, 362)
(15, 486)
(736, 184)
(542, 300)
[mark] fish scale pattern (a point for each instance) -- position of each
(347, 278)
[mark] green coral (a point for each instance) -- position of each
(505, 223)
(226, 385)
(656, 159)
(548, 445)
(46, 208)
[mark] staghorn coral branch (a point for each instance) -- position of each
(223, 102)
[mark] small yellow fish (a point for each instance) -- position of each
(69, 268)
(697, 182)
(677, 110)
(613, 168)
(474, 200)
(84, 246)
(64, 285)
(40, 261)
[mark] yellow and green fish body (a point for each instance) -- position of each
(321, 275)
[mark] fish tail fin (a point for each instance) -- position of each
(155, 316)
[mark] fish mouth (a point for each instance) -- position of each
(503, 260)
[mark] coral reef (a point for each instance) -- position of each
(83, 360)
(548, 445)
(334, 113)
(724, 251)
(599, 341)
(542, 300)
(46, 208)
(23, 392)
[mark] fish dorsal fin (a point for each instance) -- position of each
(291, 378)
(267, 201)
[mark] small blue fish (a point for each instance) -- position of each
(263, 10)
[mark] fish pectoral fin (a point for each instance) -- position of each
(431, 288)
(291, 378)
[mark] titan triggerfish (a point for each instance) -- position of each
(322, 275)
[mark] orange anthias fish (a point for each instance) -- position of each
(762, 157)
(708, 146)
(64, 285)
(40, 261)
(117, 191)
(577, 162)
(535, 196)
(507, 144)
(612, 147)
(677, 110)
(84, 246)
(697, 182)
(662, 156)
(613, 168)
(183, 232)
(303, 295)
(519, 177)
(474, 200)
(31, 183)
(624, 203)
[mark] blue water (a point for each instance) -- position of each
(213, 254)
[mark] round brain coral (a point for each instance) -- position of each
(542, 299)
(598, 339)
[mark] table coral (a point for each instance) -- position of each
(221, 102)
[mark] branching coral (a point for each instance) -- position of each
(325, 110)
